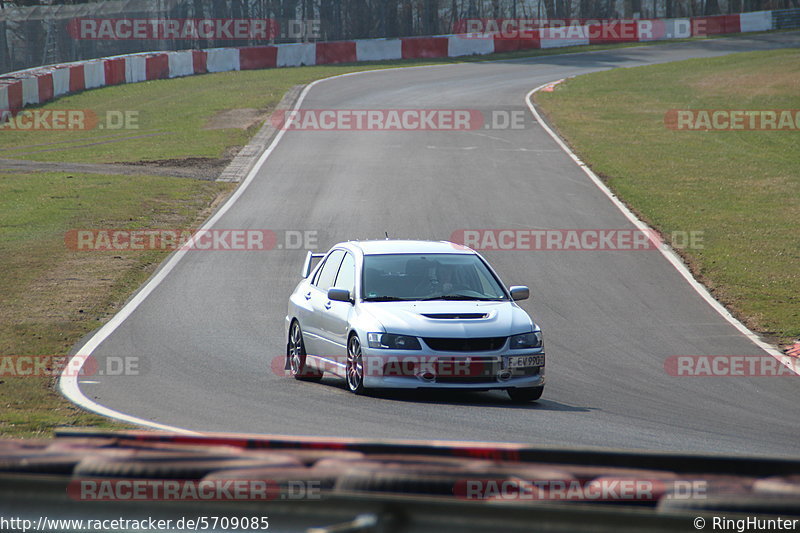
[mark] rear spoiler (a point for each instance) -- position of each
(307, 263)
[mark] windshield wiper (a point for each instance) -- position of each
(385, 299)
(459, 297)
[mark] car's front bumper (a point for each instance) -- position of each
(401, 369)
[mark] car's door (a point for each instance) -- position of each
(336, 315)
(317, 297)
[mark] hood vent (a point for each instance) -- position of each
(456, 316)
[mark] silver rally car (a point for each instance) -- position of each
(411, 315)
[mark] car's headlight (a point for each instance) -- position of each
(527, 340)
(392, 341)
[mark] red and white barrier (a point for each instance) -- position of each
(180, 63)
(295, 55)
(135, 69)
(258, 57)
(156, 67)
(45, 89)
(755, 21)
(337, 52)
(114, 70)
(675, 29)
(4, 105)
(61, 85)
(93, 74)
(222, 59)
(532, 42)
(379, 49)
(704, 26)
(622, 31)
(39, 85)
(462, 45)
(30, 91)
(566, 36)
(424, 47)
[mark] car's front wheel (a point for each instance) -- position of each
(355, 366)
(528, 394)
(296, 353)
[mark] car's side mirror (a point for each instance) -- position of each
(339, 295)
(519, 292)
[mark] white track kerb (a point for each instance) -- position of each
(666, 251)
(68, 381)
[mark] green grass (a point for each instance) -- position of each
(740, 188)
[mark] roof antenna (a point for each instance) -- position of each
(387, 235)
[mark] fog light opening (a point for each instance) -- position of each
(504, 375)
(427, 375)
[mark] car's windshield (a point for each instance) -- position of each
(428, 277)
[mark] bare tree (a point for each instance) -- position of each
(711, 8)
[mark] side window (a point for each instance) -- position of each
(347, 274)
(327, 273)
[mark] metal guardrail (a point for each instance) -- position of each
(32, 36)
(786, 19)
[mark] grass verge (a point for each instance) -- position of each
(741, 189)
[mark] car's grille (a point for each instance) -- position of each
(455, 316)
(485, 344)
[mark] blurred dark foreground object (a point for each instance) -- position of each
(226, 482)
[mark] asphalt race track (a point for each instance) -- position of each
(205, 338)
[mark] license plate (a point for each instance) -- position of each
(524, 361)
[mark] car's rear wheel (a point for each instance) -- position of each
(528, 394)
(355, 366)
(296, 353)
